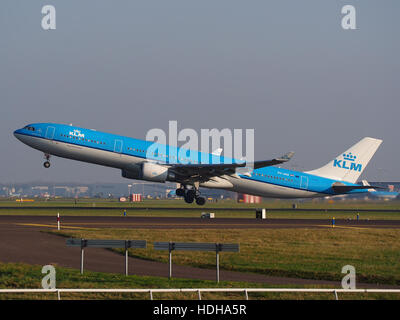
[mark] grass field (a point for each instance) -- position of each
(164, 208)
(25, 276)
(298, 253)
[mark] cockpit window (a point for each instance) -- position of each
(29, 128)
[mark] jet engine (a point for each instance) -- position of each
(149, 172)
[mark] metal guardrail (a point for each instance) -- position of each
(126, 244)
(196, 246)
(245, 291)
(107, 243)
(170, 246)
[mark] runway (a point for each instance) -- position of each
(22, 240)
(197, 208)
(73, 222)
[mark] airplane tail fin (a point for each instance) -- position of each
(349, 165)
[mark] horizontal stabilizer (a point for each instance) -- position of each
(342, 188)
(366, 183)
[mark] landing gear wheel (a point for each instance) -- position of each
(189, 196)
(180, 192)
(191, 193)
(189, 199)
(46, 164)
(200, 201)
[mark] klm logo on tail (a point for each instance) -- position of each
(348, 162)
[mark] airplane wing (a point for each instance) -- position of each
(266, 163)
(203, 172)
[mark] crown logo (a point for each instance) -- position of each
(349, 156)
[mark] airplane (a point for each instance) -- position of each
(146, 160)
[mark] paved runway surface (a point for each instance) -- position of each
(176, 223)
(23, 241)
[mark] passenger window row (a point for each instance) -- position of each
(273, 177)
(82, 139)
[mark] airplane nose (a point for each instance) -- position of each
(17, 134)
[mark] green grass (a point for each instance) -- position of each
(248, 214)
(150, 208)
(29, 276)
(24, 276)
(299, 253)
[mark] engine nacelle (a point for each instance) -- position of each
(154, 172)
(149, 172)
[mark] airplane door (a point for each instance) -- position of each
(118, 146)
(50, 133)
(303, 182)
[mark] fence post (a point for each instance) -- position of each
(83, 244)
(58, 221)
(217, 249)
(170, 248)
(126, 256)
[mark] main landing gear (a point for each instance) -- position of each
(191, 195)
(46, 164)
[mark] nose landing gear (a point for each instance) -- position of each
(46, 164)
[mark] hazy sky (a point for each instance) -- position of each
(285, 68)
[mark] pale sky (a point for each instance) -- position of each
(284, 68)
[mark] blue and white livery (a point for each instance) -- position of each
(145, 160)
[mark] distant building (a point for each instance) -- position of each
(135, 197)
(247, 198)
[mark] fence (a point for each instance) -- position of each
(244, 291)
(190, 246)
(126, 244)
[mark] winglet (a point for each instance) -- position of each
(286, 157)
(217, 152)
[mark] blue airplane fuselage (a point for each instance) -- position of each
(128, 153)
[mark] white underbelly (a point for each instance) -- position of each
(268, 190)
(82, 153)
